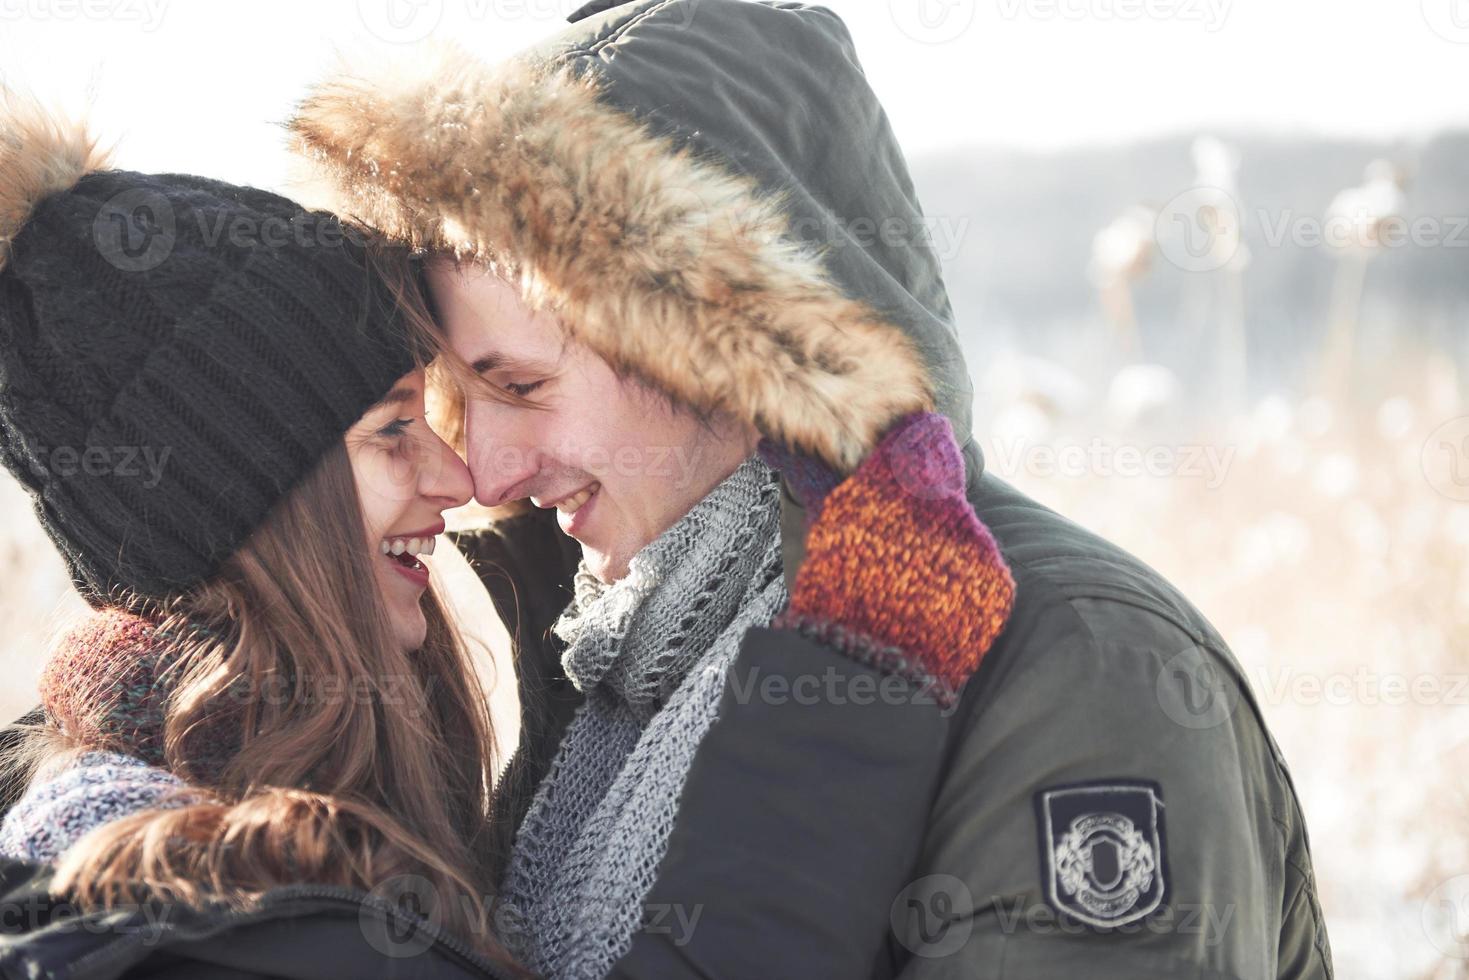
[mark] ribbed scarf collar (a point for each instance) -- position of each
(641, 635)
(651, 652)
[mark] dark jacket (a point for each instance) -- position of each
(1105, 674)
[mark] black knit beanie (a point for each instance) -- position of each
(176, 353)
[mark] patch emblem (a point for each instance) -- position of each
(1102, 850)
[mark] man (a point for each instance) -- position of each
(683, 223)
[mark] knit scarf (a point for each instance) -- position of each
(650, 652)
(107, 686)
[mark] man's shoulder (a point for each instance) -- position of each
(1110, 719)
(1095, 631)
(1062, 562)
(1107, 672)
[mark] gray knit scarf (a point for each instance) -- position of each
(650, 652)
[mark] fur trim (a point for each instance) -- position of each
(40, 155)
(671, 268)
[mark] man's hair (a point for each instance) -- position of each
(450, 379)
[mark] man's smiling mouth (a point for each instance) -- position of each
(569, 505)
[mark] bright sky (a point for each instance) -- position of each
(198, 86)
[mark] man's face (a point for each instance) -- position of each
(616, 461)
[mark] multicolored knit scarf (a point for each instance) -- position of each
(66, 803)
(108, 684)
(107, 688)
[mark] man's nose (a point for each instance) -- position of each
(502, 455)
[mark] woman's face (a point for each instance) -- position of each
(406, 478)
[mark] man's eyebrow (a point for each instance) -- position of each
(497, 361)
(489, 362)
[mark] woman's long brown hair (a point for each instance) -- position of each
(359, 765)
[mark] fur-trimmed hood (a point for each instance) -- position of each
(706, 191)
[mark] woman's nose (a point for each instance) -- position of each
(444, 476)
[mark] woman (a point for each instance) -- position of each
(267, 744)
(265, 629)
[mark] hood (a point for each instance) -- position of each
(706, 191)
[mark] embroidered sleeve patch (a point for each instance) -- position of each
(1102, 850)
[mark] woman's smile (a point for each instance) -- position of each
(402, 551)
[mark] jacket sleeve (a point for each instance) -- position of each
(801, 820)
(1092, 715)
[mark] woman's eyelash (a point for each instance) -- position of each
(395, 428)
